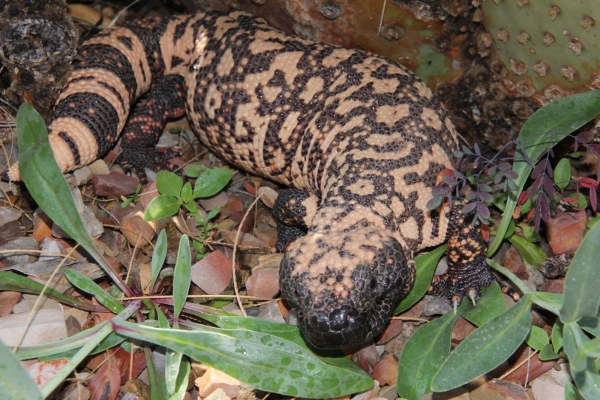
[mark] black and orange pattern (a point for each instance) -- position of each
(360, 138)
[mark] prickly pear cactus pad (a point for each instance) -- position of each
(550, 41)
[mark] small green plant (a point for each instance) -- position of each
(174, 196)
(134, 198)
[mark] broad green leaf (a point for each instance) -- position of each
(159, 254)
(571, 392)
(583, 280)
(532, 255)
(591, 325)
(163, 322)
(591, 348)
(557, 336)
(593, 221)
(18, 283)
(573, 340)
(538, 338)
(486, 348)
(161, 207)
(547, 353)
(169, 183)
(15, 382)
(182, 380)
(191, 206)
(158, 386)
(562, 173)
(423, 354)
(549, 301)
(193, 171)
(186, 192)
(425, 268)
(512, 277)
(173, 362)
(588, 382)
(212, 213)
(263, 361)
(211, 182)
(546, 127)
(48, 187)
(87, 285)
(183, 275)
(529, 233)
(581, 198)
(489, 306)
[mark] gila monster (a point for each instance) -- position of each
(361, 140)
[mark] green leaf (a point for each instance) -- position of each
(15, 382)
(84, 283)
(48, 187)
(158, 386)
(562, 173)
(192, 207)
(591, 348)
(538, 338)
(423, 354)
(591, 325)
(169, 183)
(162, 206)
(183, 275)
(547, 353)
(512, 277)
(593, 221)
(549, 301)
(159, 254)
(532, 255)
(489, 306)
(173, 361)
(571, 392)
(581, 297)
(212, 213)
(557, 336)
(529, 233)
(18, 283)
(211, 182)
(546, 127)
(573, 339)
(263, 361)
(193, 171)
(581, 198)
(182, 380)
(486, 348)
(186, 192)
(425, 268)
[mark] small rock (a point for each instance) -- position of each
(42, 372)
(366, 357)
(82, 175)
(462, 328)
(9, 214)
(388, 393)
(243, 239)
(393, 329)
(213, 273)
(271, 312)
(556, 266)
(386, 370)
(136, 229)
(29, 300)
(148, 193)
(267, 234)
(263, 283)
(566, 230)
(42, 225)
(213, 380)
(99, 167)
(19, 257)
(75, 391)
(436, 306)
(554, 286)
(499, 390)
(269, 261)
(138, 388)
(93, 227)
(47, 326)
(514, 263)
(268, 196)
(248, 225)
(218, 394)
(52, 249)
(8, 300)
(549, 386)
(218, 200)
(441, 267)
(233, 204)
(396, 345)
(114, 185)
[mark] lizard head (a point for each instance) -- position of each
(344, 286)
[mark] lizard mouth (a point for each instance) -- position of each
(345, 294)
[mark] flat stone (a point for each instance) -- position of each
(53, 249)
(554, 286)
(213, 380)
(93, 227)
(8, 299)
(388, 393)
(213, 273)
(499, 390)
(267, 196)
(19, 257)
(114, 185)
(218, 200)
(248, 219)
(514, 263)
(29, 300)
(461, 329)
(47, 326)
(99, 167)
(566, 230)
(436, 306)
(82, 175)
(271, 312)
(393, 329)
(75, 391)
(366, 357)
(148, 193)
(9, 214)
(42, 225)
(136, 229)
(42, 372)
(549, 386)
(396, 345)
(263, 283)
(386, 370)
